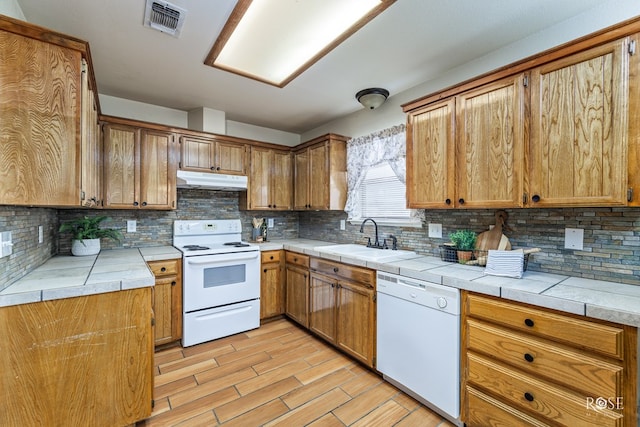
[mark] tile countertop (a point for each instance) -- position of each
(616, 302)
(71, 276)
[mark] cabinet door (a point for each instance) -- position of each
(157, 170)
(301, 180)
(271, 291)
(281, 181)
(121, 164)
(197, 154)
(260, 177)
(230, 158)
(322, 306)
(579, 129)
(355, 321)
(319, 176)
(490, 145)
(297, 295)
(167, 308)
(90, 148)
(39, 122)
(430, 156)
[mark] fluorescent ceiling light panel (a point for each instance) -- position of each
(273, 41)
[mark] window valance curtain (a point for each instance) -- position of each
(388, 145)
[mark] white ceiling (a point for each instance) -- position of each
(412, 42)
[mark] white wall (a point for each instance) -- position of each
(120, 107)
(390, 113)
(244, 130)
(11, 8)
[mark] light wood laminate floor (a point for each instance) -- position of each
(277, 375)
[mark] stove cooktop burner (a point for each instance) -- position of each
(195, 247)
(237, 244)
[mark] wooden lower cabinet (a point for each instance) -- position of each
(342, 311)
(271, 284)
(297, 287)
(83, 361)
(167, 300)
(525, 365)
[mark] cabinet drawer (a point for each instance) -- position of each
(487, 411)
(270, 256)
(539, 397)
(544, 359)
(296, 259)
(603, 339)
(165, 268)
(355, 274)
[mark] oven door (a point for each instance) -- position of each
(215, 280)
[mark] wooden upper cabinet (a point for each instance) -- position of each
(213, 155)
(270, 180)
(40, 109)
(579, 129)
(320, 174)
(490, 145)
(430, 156)
(91, 190)
(140, 168)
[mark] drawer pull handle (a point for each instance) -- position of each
(173, 283)
(163, 269)
(335, 269)
(529, 397)
(528, 357)
(528, 322)
(271, 257)
(295, 260)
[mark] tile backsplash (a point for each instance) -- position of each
(611, 235)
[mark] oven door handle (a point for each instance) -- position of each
(214, 259)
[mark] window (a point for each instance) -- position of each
(383, 195)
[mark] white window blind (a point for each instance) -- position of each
(383, 195)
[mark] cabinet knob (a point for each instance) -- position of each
(335, 269)
(271, 257)
(269, 205)
(528, 322)
(135, 203)
(333, 285)
(447, 202)
(535, 198)
(274, 206)
(144, 203)
(213, 168)
(528, 396)
(173, 283)
(305, 276)
(218, 168)
(163, 269)
(528, 357)
(295, 260)
(461, 201)
(265, 270)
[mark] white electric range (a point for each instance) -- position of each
(221, 279)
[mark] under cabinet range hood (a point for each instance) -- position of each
(211, 181)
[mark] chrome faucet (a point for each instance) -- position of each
(376, 244)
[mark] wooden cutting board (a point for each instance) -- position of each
(493, 238)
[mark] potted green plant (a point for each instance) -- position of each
(86, 234)
(465, 242)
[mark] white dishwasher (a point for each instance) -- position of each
(418, 340)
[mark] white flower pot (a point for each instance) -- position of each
(85, 247)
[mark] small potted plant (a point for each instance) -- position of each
(465, 242)
(86, 234)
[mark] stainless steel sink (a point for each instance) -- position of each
(364, 253)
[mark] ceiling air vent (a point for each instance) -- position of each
(165, 17)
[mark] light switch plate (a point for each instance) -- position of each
(6, 244)
(435, 230)
(131, 226)
(343, 224)
(40, 234)
(270, 223)
(574, 238)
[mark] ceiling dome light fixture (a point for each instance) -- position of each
(373, 97)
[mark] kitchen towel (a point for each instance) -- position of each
(505, 263)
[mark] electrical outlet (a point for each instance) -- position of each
(343, 224)
(435, 230)
(270, 223)
(574, 238)
(40, 234)
(131, 226)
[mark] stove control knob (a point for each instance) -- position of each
(442, 302)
